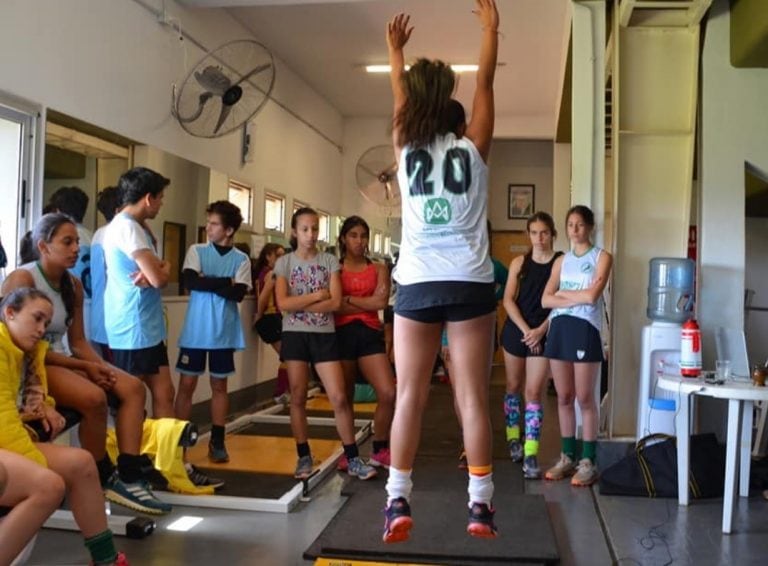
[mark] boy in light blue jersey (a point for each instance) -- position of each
(134, 322)
(218, 276)
(108, 203)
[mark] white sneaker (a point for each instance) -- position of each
(586, 473)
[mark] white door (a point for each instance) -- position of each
(17, 132)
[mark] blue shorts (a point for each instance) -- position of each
(357, 340)
(142, 361)
(310, 347)
(511, 341)
(221, 363)
(573, 339)
(445, 301)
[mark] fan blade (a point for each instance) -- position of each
(256, 70)
(201, 101)
(225, 108)
(373, 174)
(213, 80)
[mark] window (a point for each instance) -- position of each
(376, 242)
(387, 245)
(241, 196)
(297, 204)
(274, 212)
(325, 226)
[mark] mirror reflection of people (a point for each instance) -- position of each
(443, 278)
(521, 203)
(73, 202)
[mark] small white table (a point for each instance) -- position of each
(740, 395)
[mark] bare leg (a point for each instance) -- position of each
(378, 372)
(298, 377)
(416, 344)
(33, 492)
(219, 401)
(585, 375)
(130, 414)
(332, 377)
(471, 343)
(563, 374)
(71, 389)
(161, 387)
(84, 492)
(349, 367)
(536, 373)
(183, 405)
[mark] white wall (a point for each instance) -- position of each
(71, 56)
(519, 162)
(734, 131)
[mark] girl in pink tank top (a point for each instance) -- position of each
(365, 291)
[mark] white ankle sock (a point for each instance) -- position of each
(399, 484)
(480, 489)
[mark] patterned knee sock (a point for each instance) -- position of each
(533, 416)
(512, 414)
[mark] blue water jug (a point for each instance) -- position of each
(671, 289)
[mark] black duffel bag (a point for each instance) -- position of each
(650, 470)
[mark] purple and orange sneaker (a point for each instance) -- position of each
(398, 523)
(481, 521)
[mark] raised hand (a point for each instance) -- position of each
(486, 12)
(398, 32)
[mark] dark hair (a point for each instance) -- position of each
(261, 261)
(586, 214)
(17, 298)
(108, 201)
(228, 213)
(44, 231)
(349, 223)
(299, 212)
(70, 200)
(243, 247)
(428, 88)
(138, 182)
(455, 118)
(544, 218)
(27, 249)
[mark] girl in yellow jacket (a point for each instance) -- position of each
(24, 315)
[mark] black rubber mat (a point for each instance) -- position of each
(439, 506)
(321, 432)
(252, 484)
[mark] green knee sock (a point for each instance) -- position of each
(102, 548)
(589, 450)
(569, 446)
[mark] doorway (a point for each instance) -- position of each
(17, 133)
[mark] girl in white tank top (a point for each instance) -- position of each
(574, 292)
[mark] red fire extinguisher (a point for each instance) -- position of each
(690, 349)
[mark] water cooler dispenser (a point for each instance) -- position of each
(670, 303)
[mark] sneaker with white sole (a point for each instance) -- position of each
(303, 468)
(515, 450)
(531, 470)
(360, 469)
(564, 468)
(586, 473)
(137, 496)
(201, 479)
(380, 459)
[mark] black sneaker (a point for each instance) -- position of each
(398, 522)
(202, 480)
(531, 470)
(481, 521)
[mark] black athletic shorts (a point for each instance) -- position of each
(311, 347)
(221, 362)
(143, 361)
(270, 328)
(445, 301)
(356, 340)
(511, 340)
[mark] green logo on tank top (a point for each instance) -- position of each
(437, 211)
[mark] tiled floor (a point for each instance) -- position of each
(590, 529)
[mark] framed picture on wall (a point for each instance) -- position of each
(521, 200)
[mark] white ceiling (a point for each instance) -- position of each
(326, 43)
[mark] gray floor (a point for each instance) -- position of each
(590, 529)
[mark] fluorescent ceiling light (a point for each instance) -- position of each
(386, 68)
(184, 523)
